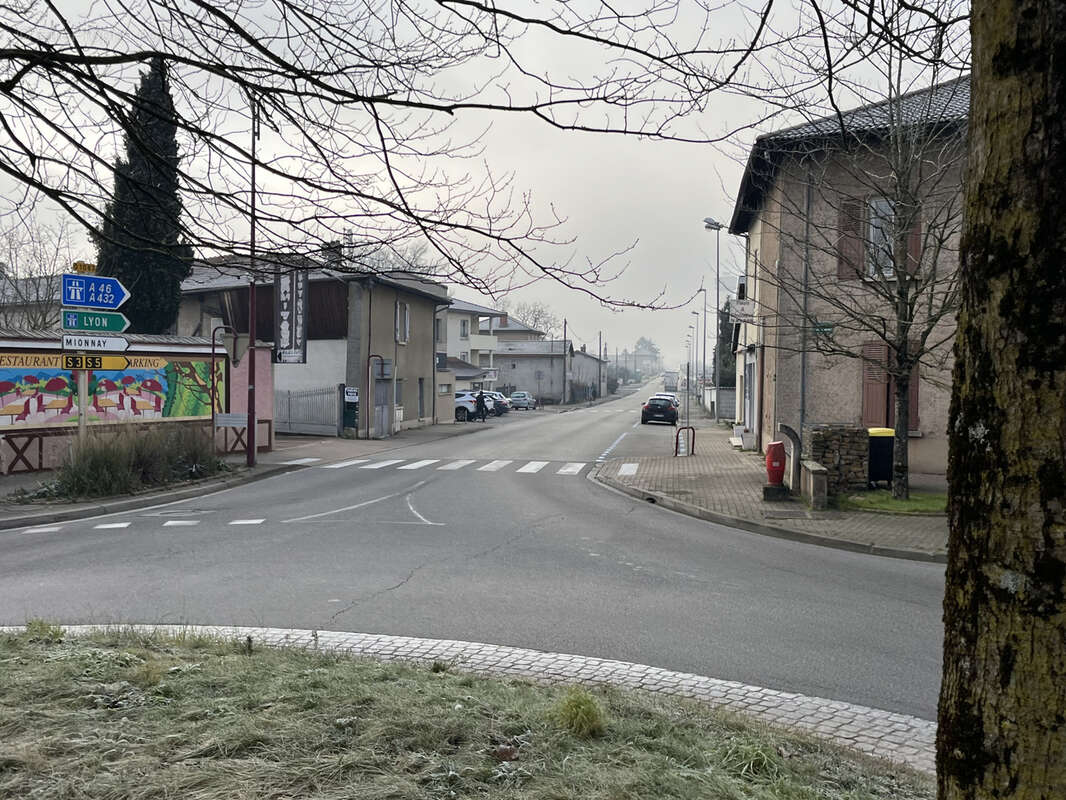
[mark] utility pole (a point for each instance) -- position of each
(599, 367)
(250, 437)
(566, 354)
(710, 224)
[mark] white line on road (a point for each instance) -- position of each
(614, 444)
(628, 469)
(247, 522)
(49, 529)
(175, 523)
(533, 466)
(357, 505)
(108, 525)
(458, 464)
(343, 464)
(297, 461)
(419, 464)
(425, 521)
(380, 464)
(571, 468)
(493, 466)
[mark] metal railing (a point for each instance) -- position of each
(316, 411)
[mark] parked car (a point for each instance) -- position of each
(503, 404)
(466, 405)
(658, 409)
(673, 398)
(523, 400)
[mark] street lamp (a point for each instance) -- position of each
(710, 224)
(696, 355)
(704, 367)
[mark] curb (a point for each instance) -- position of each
(681, 507)
(897, 738)
(142, 501)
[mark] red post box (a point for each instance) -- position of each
(775, 463)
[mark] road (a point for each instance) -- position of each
(500, 537)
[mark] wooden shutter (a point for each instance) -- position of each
(875, 385)
(913, 421)
(850, 249)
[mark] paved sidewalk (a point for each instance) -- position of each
(895, 737)
(724, 485)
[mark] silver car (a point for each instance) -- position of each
(523, 400)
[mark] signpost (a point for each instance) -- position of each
(83, 361)
(88, 341)
(85, 290)
(94, 321)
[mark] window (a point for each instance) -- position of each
(444, 388)
(866, 246)
(880, 228)
(403, 323)
(438, 330)
(399, 392)
(464, 329)
(879, 390)
(464, 356)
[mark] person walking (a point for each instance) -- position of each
(481, 407)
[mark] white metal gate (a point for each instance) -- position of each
(315, 411)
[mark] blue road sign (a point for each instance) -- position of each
(90, 291)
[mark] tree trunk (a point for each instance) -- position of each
(900, 440)
(1002, 731)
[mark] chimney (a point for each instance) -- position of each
(503, 321)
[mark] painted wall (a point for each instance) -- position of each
(326, 366)
(264, 393)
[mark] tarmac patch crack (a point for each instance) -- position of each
(376, 594)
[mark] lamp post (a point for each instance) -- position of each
(710, 224)
(696, 354)
(703, 369)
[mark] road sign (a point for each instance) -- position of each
(90, 291)
(94, 321)
(87, 341)
(84, 268)
(95, 362)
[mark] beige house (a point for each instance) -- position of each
(461, 339)
(852, 226)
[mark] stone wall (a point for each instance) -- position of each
(844, 451)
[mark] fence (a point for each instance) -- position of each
(316, 411)
(727, 401)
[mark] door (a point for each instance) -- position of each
(421, 398)
(382, 417)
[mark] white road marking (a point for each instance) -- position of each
(49, 529)
(493, 466)
(614, 444)
(174, 523)
(425, 521)
(533, 466)
(571, 468)
(457, 464)
(108, 525)
(343, 464)
(420, 464)
(357, 505)
(628, 469)
(381, 464)
(298, 461)
(247, 522)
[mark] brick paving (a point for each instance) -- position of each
(895, 737)
(725, 485)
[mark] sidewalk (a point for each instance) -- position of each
(724, 485)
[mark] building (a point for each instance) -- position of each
(553, 370)
(459, 336)
(368, 332)
(842, 216)
(508, 329)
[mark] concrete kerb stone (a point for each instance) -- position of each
(894, 737)
(681, 507)
(116, 506)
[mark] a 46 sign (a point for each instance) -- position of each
(90, 291)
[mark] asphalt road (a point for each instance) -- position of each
(514, 553)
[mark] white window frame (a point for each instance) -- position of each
(403, 322)
(880, 244)
(464, 329)
(444, 388)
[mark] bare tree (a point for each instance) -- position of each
(369, 116)
(33, 256)
(867, 207)
(1001, 730)
(536, 315)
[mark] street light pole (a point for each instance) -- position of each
(703, 370)
(696, 354)
(709, 223)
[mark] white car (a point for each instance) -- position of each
(466, 405)
(523, 400)
(669, 396)
(502, 403)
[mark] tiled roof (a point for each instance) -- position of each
(463, 306)
(945, 105)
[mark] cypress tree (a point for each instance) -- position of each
(141, 242)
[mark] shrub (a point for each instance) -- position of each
(136, 458)
(580, 714)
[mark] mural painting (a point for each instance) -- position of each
(35, 390)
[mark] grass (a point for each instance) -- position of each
(133, 460)
(882, 500)
(127, 716)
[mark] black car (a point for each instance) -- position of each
(660, 409)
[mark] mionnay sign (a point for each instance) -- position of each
(87, 341)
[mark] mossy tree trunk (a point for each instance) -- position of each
(1002, 714)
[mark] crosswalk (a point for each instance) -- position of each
(516, 466)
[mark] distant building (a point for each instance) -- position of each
(552, 369)
(508, 329)
(460, 335)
